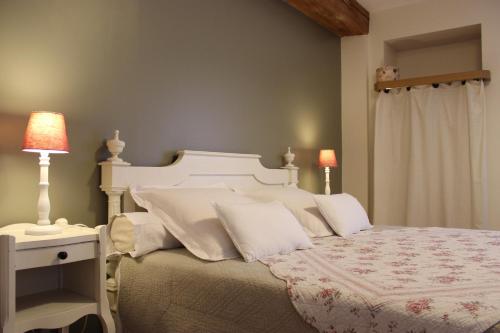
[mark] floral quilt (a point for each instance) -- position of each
(410, 280)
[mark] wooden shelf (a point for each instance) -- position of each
(435, 79)
(34, 311)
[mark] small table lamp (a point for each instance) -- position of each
(327, 160)
(45, 134)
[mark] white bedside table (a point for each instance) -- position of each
(52, 281)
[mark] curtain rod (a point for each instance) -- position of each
(434, 80)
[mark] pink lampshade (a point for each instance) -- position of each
(327, 158)
(46, 131)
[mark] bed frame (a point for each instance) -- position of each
(191, 168)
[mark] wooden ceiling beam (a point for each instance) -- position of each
(342, 17)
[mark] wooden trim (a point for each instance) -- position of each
(434, 79)
(342, 17)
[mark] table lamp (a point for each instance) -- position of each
(45, 134)
(327, 160)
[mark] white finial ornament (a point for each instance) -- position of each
(115, 147)
(289, 157)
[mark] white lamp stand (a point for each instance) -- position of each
(327, 181)
(43, 226)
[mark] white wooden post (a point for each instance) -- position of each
(114, 203)
(115, 147)
(100, 290)
(108, 171)
(293, 171)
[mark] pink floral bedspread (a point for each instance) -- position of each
(406, 280)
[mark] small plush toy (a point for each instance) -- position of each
(387, 73)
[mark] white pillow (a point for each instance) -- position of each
(259, 229)
(343, 212)
(139, 233)
(301, 204)
(189, 215)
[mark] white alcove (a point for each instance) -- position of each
(441, 52)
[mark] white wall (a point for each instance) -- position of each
(354, 116)
(436, 60)
(419, 18)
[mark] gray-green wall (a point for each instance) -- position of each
(250, 76)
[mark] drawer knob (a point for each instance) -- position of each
(62, 255)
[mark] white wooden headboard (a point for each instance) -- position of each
(191, 168)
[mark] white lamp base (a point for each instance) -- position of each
(40, 230)
(327, 181)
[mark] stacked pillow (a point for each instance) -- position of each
(217, 223)
(189, 215)
(260, 229)
(319, 214)
(137, 234)
(300, 203)
(343, 212)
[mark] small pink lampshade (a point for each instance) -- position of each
(46, 131)
(327, 158)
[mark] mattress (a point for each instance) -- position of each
(173, 291)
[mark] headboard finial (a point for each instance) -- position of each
(289, 157)
(293, 177)
(115, 147)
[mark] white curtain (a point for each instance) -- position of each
(429, 157)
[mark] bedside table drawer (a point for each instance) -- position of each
(55, 255)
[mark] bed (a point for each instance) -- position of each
(173, 291)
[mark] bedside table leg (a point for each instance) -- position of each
(108, 324)
(104, 313)
(64, 329)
